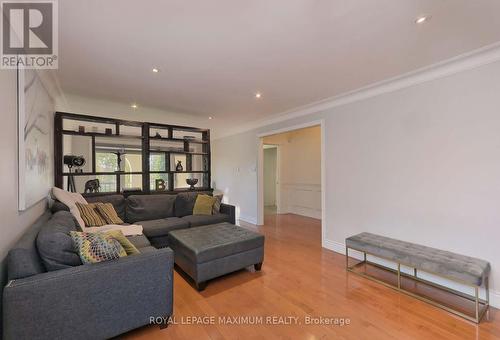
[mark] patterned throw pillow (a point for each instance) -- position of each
(217, 203)
(90, 215)
(203, 205)
(97, 247)
(108, 212)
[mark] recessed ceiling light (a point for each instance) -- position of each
(156, 70)
(134, 106)
(210, 117)
(258, 95)
(422, 19)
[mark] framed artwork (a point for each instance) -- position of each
(35, 109)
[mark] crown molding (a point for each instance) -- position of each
(467, 61)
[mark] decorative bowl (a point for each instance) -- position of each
(192, 182)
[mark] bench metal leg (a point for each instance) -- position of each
(346, 258)
(477, 303)
(487, 287)
(399, 275)
(481, 306)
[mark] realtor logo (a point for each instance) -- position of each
(29, 34)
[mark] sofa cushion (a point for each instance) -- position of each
(90, 215)
(199, 220)
(118, 202)
(129, 247)
(161, 227)
(217, 204)
(70, 199)
(23, 259)
(212, 242)
(139, 241)
(204, 205)
(55, 244)
(148, 249)
(184, 203)
(149, 207)
(108, 212)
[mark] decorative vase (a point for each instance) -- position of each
(179, 167)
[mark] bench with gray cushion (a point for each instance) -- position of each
(210, 251)
(456, 267)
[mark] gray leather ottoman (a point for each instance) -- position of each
(210, 251)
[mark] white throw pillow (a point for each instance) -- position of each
(70, 199)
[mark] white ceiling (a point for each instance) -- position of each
(215, 55)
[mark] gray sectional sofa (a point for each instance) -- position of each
(51, 295)
(161, 213)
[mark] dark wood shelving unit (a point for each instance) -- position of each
(188, 149)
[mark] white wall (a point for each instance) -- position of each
(14, 222)
(270, 178)
(300, 171)
(119, 110)
(234, 173)
(421, 164)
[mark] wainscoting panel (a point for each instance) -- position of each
(301, 199)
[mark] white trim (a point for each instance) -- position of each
(290, 128)
(277, 202)
(260, 182)
(333, 246)
(340, 248)
(247, 219)
(477, 58)
(495, 298)
(323, 181)
(260, 169)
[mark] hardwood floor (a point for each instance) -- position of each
(300, 279)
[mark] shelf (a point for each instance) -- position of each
(97, 134)
(174, 143)
(180, 172)
(179, 152)
(198, 141)
(101, 173)
(175, 191)
(158, 192)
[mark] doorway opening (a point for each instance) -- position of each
(291, 172)
(271, 179)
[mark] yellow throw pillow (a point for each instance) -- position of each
(90, 215)
(108, 212)
(130, 249)
(203, 205)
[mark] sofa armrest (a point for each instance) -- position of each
(229, 210)
(92, 301)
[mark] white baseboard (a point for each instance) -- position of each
(334, 246)
(495, 298)
(340, 248)
(303, 211)
(247, 219)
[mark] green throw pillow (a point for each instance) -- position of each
(130, 249)
(97, 247)
(203, 205)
